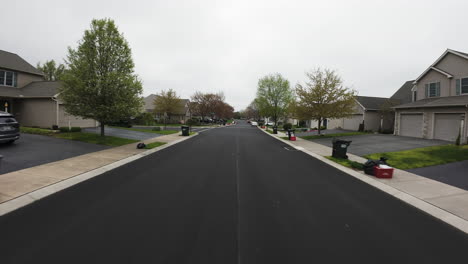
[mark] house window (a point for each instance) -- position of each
(464, 86)
(415, 95)
(433, 89)
(8, 78)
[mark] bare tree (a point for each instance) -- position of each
(166, 104)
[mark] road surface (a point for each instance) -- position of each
(228, 195)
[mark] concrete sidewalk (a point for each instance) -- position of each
(19, 183)
(441, 195)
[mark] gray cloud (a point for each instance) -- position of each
(226, 46)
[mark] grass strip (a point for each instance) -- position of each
(347, 163)
(96, 139)
(154, 145)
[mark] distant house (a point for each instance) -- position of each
(439, 101)
(180, 116)
(33, 101)
(366, 114)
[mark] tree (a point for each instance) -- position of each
(323, 96)
(51, 71)
(100, 82)
(251, 112)
(207, 104)
(166, 104)
(273, 96)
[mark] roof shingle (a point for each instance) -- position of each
(14, 62)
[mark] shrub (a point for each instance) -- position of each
(67, 130)
(193, 122)
(302, 123)
(323, 128)
(144, 119)
(156, 129)
(287, 126)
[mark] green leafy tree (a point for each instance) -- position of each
(52, 71)
(323, 96)
(274, 96)
(100, 82)
(166, 104)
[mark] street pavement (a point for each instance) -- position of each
(228, 195)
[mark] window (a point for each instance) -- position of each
(433, 89)
(8, 78)
(415, 96)
(464, 86)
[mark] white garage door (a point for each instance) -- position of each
(411, 125)
(446, 126)
(352, 122)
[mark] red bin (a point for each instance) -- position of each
(383, 172)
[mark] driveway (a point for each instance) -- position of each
(33, 150)
(375, 143)
(123, 133)
(454, 174)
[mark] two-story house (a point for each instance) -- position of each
(33, 101)
(439, 107)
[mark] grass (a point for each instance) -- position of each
(334, 135)
(154, 145)
(269, 131)
(37, 131)
(423, 157)
(285, 138)
(96, 139)
(347, 163)
(161, 132)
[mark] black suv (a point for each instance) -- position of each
(9, 128)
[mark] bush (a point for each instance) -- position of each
(323, 128)
(287, 126)
(193, 122)
(156, 129)
(302, 123)
(67, 130)
(144, 119)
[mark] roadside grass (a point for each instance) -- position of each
(269, 131)
(96, 138)
(154, 145)
(190, 133)
(37, 131)
(334, 135)
(423, 157)
(161, 132)
(285, 138)
(347, 163)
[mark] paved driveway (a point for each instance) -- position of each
(454, 173)
(374, 143)
(123, 133)
(32, 150)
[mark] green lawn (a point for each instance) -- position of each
(347, 163)
(154, 145)
(96, 138)
(161, 132)
(334, 135)
(37, 131)
(423, 157)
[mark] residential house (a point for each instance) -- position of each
(33, 101)
(180, 116)
(366, 116)
(439, 107)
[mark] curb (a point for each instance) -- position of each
(444, 216)
(43, 192)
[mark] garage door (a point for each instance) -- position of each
(446, 126)
(411, 125)
(352, 123)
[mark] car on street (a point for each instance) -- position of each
(9, 128)
(253, 123)
(270, 123)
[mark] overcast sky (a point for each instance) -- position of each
(227, 46)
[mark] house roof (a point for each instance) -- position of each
(459, 100)
(14, 62)
(371, 103)
(34, 89)
(432, 67)
(149, 104)
(404, 94)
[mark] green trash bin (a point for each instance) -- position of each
(185, 131)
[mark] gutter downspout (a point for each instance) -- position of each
(56, 110)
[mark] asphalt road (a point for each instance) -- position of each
(229, 195)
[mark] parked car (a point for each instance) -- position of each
(270, 123)
(9, 128)
(253, 123)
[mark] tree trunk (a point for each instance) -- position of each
(319, 125)
(102, 129)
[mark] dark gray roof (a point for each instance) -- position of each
(463, 53)
(459, 100)
(371, 103)
(34, 89)
(404, 94)
(14, 62)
